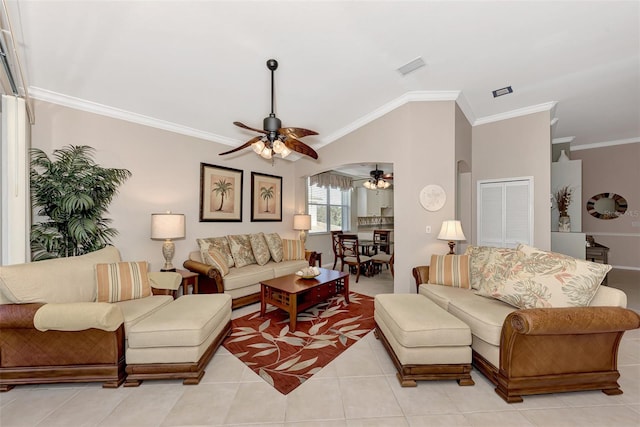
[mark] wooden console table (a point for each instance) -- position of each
(598, 253)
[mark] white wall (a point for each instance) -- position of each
(418, 138)
(165, 171)
(518, 147)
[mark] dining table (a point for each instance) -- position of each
(368, 247)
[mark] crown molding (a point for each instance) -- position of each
(547, 106)
(567, 139)
(116, 113)
(605, 144)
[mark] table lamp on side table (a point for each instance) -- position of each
(452, 231)
(167, 226)
(302, 222)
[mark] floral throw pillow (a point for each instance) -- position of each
(260, 248)
(241, 250)
(489, 267)
(222, 245)
(550, 279)
(274, 241)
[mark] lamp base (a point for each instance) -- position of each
(303, 236)
(451, 246)
(168, 249)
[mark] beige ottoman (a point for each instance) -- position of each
(177, 341)
(424, 341)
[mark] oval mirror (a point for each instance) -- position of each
(607, 206)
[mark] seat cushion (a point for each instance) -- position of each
(485, 316)
(416, 321)
(185, 322)
(247, 275)
(287, 267)
(135, 310)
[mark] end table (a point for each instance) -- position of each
(189, 278)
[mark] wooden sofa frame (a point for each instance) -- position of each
(550, 350)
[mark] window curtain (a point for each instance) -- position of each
(328, 179)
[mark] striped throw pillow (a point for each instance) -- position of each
(213, 257)
(292, 250)
(122, 281)
(450, 270)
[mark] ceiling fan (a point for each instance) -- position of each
(275, 138)
(378, 180)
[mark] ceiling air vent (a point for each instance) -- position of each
(411, 66)
(503, 91)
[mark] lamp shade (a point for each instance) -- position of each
(302, 222)
(167, 226)
(451, 230)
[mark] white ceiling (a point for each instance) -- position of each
(197, 66)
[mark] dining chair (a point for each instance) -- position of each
(335, 243)
(381, 239)
(380, 259)
(350, 249)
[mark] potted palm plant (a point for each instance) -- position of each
(72, 195)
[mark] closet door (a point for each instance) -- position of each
(505, 212)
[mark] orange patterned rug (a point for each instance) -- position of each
(286, 359)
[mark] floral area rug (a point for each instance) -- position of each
(286, 359)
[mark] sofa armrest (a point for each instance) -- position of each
(421, 275)
(78, 316)
(206, 270)
(571, 320)
(18, 316)
(165, 280)
(312, 257)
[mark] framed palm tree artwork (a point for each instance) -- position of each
(266, 197)
(220, 193)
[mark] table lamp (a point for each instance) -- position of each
(302, 222)
(167, 226)
(452, 231)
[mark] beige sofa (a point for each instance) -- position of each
(538, 350)
(52, 330)
(243, 283)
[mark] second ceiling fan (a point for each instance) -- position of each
(275, 138)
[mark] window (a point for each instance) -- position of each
(329, 208)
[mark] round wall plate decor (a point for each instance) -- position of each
(432, 197)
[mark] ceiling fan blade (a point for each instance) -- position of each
(242, 125)
(245, 145)
(296, 132)
(387, 176)
(300, 147)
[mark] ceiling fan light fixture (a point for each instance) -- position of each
(278, 146)
(266, 153)
(258, 147)
(285, 152)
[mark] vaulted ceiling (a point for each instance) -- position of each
(196, 66)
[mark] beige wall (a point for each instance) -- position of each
(613, 169)
(419, 139)
(464, 189)
(517, 147)
(165, 170)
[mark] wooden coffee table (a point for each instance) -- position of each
(294, 294)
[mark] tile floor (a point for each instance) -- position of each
(359, 388)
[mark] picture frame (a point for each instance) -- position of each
(266, 197)
(220, 193)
